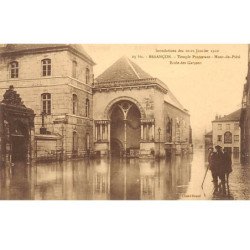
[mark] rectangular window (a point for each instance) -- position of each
(87, 141)
(228, 127)
(219, 126)
(236, 138)
(14, 70)
(236, 126)
(75, 104)
(46, 103)
(75, 141)
(46, 67)
(219, 138)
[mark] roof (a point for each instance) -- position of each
(126, 70)
(26, 48)
(171, 99)
(235, 116)
(122, 69)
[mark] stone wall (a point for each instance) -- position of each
(180, 121)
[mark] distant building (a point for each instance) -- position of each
(226, 131)
(245, 118)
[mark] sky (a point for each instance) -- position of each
(211, 86)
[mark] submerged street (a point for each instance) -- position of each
(121, 179)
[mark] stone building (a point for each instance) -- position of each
(54, 80)
(125, 111)
(245, 118)
(226, 132)
(136, 114)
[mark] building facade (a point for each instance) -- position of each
(56, 82)
(245, 118)
(124, 111)
(226, 132)
(137, 115)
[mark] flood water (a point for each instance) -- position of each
(120, 179)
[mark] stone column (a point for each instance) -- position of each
(153, 131)
(147, 133)
(109, 139)
(142, 131)
(96, 132)
(125, 135)
(101, 135)
(106, 131)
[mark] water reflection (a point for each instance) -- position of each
(118, 179)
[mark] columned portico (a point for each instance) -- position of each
(102, 130)
(102, 136)
(147, 143)
(139, 109)
(147, 129)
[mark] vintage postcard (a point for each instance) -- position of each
(124, 122)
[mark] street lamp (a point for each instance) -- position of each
(159, 132)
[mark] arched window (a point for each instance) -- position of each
(14, 69)
(87, 108)
(169, 129)
(46, 103)
(228, 137)
(46, 67)
(75, 103)
(87, 76)
(74, 67)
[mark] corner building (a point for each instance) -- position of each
(226, 132)
(54, 80)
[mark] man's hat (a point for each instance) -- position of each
(218, 146)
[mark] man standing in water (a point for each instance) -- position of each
(219, 165)
(227, 163)
(211, 162)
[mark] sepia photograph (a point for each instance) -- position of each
(124, 121)
(124, 125)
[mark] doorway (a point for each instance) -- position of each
(125, 128)
(19, 143)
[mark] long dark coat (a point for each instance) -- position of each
(219, 166)
(227, 163)
(211, 159)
